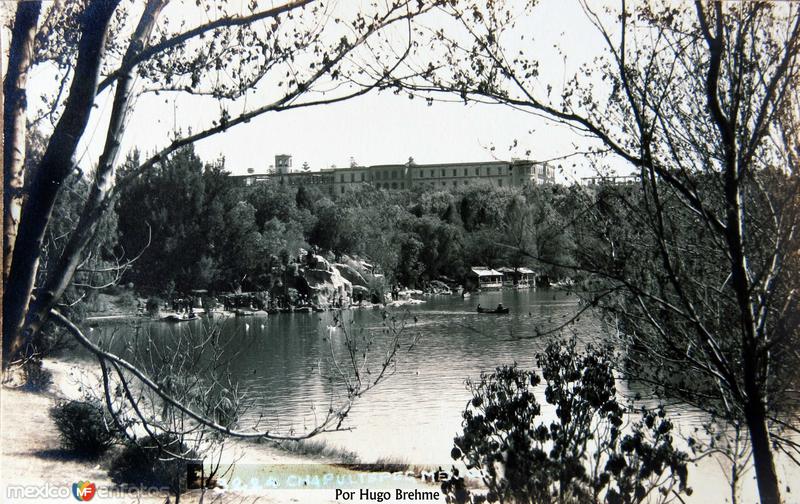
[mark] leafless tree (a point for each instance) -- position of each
(286, 55)
(700, 260)
(293, 54)
(185, 388)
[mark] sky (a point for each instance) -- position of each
(379, 128)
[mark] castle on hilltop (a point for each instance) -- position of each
(338, 181)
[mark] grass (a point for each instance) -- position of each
(383, 464)
(315, 448)
(320, 449)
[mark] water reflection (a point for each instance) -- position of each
(415, 414)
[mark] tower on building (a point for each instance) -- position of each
(283, 163)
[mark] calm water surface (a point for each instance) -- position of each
(416, 412)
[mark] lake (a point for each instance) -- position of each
(415, 413)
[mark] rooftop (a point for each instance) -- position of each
(484, 271)
(411, 164)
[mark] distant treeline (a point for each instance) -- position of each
(191, 227)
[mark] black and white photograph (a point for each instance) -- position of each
(400, 251)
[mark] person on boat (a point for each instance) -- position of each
(479, 307)
(500, 307)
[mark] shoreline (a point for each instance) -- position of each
(97, 318)
(31, 457)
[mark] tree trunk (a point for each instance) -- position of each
(55, 166)
(15, 109)
(754, 410)
(100, 197)
(768, 487)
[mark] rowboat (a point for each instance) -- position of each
(496, 311)
(174, 317)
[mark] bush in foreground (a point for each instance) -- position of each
(35, 376)
(82, 427)
(584, 455)
(160, 462)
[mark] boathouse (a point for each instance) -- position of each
(485, 278)
(518, 277)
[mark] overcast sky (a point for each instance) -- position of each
(377, 128)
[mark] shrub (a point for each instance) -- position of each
(53, 340)
(582, 455)
(153, 306)
(126, 300)
(154, 462)
(82, 427)
(37, 378)
(377, 289)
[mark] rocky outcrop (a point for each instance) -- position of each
(350, 273)
(326, 284)
(319, 262)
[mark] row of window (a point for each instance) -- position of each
(454, 183)
(352, 177)
(465, 171)
(402, 185)
(385, 175)
(386, 185)
(362, 177)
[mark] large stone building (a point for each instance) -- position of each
(338, 181)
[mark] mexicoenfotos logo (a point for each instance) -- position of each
(83, 490)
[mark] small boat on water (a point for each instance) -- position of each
(174, 317)
(500, 310)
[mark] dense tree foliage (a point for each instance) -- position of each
(213, 233)
(207, 232)
(215, 54)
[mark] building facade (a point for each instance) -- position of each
(610, 180)
(338, 181)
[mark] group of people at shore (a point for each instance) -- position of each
(183, 305)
